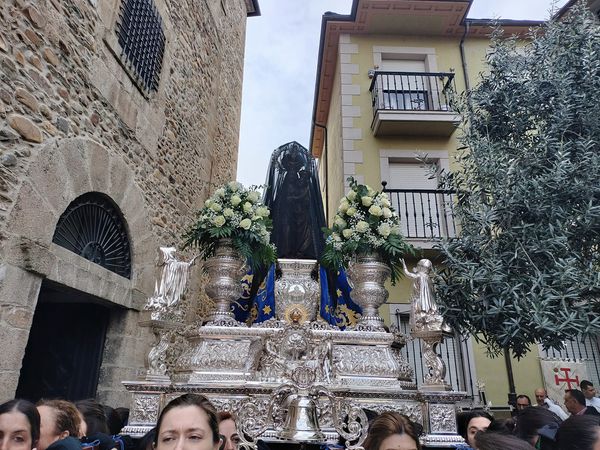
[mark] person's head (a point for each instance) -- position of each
(502, 426)
(470, 422)
(488, 440)
(579, 433)
(228, 431)
(574, 400)
(588, 389)
(537, 426)
(113, 420)
(523, 401)
(58, 419)
(146, 442)
(540, 396)
(123, 414)
(19, 425)
(93, 417)
(188, 422)
(391, 430)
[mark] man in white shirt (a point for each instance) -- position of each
(589, 392)
(543, 401)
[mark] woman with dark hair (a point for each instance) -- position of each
(392, 430)
(471, 422)
(59, 420)
(93, 416)
(188, 422)
(502, 426)
(19, 425)
(123, 414)
(488, 440)
(538, 426)
(579, 433)
(113, 420)
(95, 426)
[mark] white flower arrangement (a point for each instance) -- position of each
(237, 213)
(365, 223)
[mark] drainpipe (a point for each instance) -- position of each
(463, 60)
(325, 171)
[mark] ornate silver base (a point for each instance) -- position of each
(292, 380)
(235, 366)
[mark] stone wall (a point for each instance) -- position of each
(73, 121)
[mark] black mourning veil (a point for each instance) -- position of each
(294, 197)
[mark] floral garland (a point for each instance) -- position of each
(365, 223)
(236, 213)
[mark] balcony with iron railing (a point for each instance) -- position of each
(425, 214)
(412, 103)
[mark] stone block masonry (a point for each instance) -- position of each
(72, 121)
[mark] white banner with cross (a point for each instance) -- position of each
(560, 375)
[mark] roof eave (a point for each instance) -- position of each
(328, 16)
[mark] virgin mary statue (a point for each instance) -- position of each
(294, 197)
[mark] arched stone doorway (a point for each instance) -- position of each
(66, 342)
(33, 264)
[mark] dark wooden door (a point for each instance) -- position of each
(64, 350)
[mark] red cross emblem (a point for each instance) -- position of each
(566, 379)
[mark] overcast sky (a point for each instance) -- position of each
(280, 69)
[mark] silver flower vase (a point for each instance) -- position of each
(367, 274)
(225, 270)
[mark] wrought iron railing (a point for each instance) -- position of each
(586, 350)
(411, 91)
(424, 213)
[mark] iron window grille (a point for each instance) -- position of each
(142, 40)
(93, 227)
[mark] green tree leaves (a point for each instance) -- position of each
(525, 267)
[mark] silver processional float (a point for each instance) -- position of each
(293, 378)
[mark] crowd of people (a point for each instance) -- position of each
(62, 425)
(191, 422)
(544, 426)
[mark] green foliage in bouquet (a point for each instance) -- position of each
(236, 213)
(365, 223)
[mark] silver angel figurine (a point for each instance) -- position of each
(424, 310)
(173, 281)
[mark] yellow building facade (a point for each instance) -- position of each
(382, 114)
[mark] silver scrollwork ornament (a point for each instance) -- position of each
(436, 369)
(156, 359)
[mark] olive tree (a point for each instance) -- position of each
(525, 267)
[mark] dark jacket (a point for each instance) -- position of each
(68, 443)
(591, 411)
